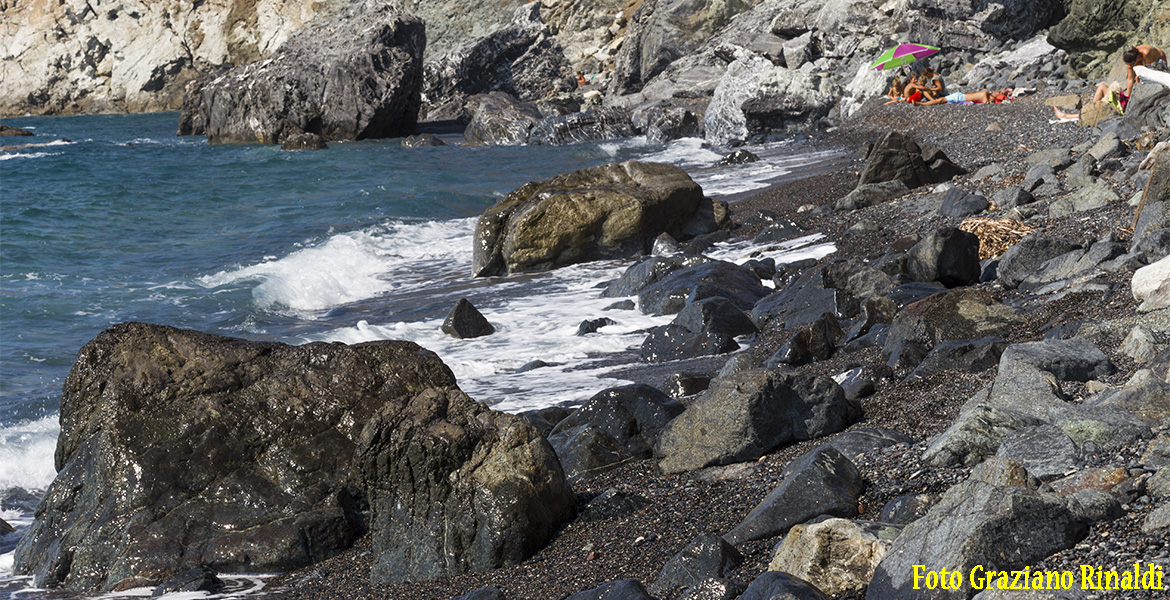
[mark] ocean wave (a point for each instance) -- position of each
(26, 451)
(6, 156)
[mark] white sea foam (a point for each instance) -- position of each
(4, 156)
(354, 266)
(26, 454)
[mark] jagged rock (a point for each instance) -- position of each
(1157, 522)
(896, 158)
(423, 140)
(465, 321)
(1027, 255)
(1096, 505)
(356, 76)
(1074, 359)
(681, 385)
(715, 315)
(672, 123)
(975, 436)
(707, 280)
(592, 125)
(634, 415)
(522, 59)
(1140, 344)
(748, 414)
(739, 157)
(641, 274)
(1013, 197)
(995, 527)
(499, 119)
(962, 314)
(818, 341)
(972, 356)
(755, 97)
(948, 255)
(1090, 197)
(836, 555)
(589, 326)
(1144, 396)
(586, 450)
(304, 141)
(675, 342)
(601, 212)
(708, 556)
(622, 589)
(822, 482)
(283, 444)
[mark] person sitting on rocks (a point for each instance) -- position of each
(983, 97)
(896, 91)
(1143, 55)
(933, 85)
(914, 91)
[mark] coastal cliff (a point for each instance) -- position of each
(94, 56)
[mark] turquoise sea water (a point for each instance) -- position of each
(105, 219)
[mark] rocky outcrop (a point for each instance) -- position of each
(356, 76)
(123, 56)
(600, 212)
(521, 59)
(1096, 32)
(264, 456)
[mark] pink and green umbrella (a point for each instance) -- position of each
(901, 55)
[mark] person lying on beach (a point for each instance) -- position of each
(896, 91)
(933, 85)
(1143, 55)
(983, 97)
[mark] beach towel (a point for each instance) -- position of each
(1151, 76)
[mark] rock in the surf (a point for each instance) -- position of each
(356, 76)
(181, 448)
(607, 211)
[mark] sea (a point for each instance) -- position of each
(113, 218)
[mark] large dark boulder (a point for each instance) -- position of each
(708, 556)
(745, 415)
(356, 76)
(633, 415)
(1092, 29)
(714, 279)
(499, 119)
(675, 342)
(264, 456)
(608, 211)
(896, 157)
(948, 255)
(822, 482)
(1026, 257)
(522, 59)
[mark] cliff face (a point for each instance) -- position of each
(72, 56)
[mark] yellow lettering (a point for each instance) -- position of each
(1127, 582)
(918, 575)
(1112, 580)
(1086, 578)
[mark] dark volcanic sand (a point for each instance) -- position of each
(584, 555)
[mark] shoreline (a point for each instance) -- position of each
(586, 555)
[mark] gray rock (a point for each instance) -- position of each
(423, 140)
(977, 524)
(1024, 389)
(465, 321)
(867, 440)
(1109, 146)
(1013, 197)
(641, 274)
(1074, 359)
(1096, 505)
(948, 255)
(773, 585)
(837, 556)
(972, 356)
(1044, 450)
(779, 231)
(1102, 425)
(681, 385)
(748, 414)
(595, 124)
(522, 59)
(817, 341)
(587, 450)
(958, 203)
(634, 415)
(199, 579)
(708, 556)
(556, 222)
(1158, 485)
(1054, 269)
(675, 342)
(739, 157)
(708, 280)
(896, 157)
(589, 326)
(822, 482)
(1027, 255)
(1056, 158)
(184, 425)
(1157, 522)
(355, 76)
(499, 119)
(975, 436)
(1144, 396)
(303, 141)
(907, 508)
(715, 315)
(1090, 197)
(961, 314)
(715, 589)
(870, 194)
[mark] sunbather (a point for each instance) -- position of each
(933, 85)
(983, 97)
(914, 91)
(1143, 55)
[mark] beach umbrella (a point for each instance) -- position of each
(901, 55)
